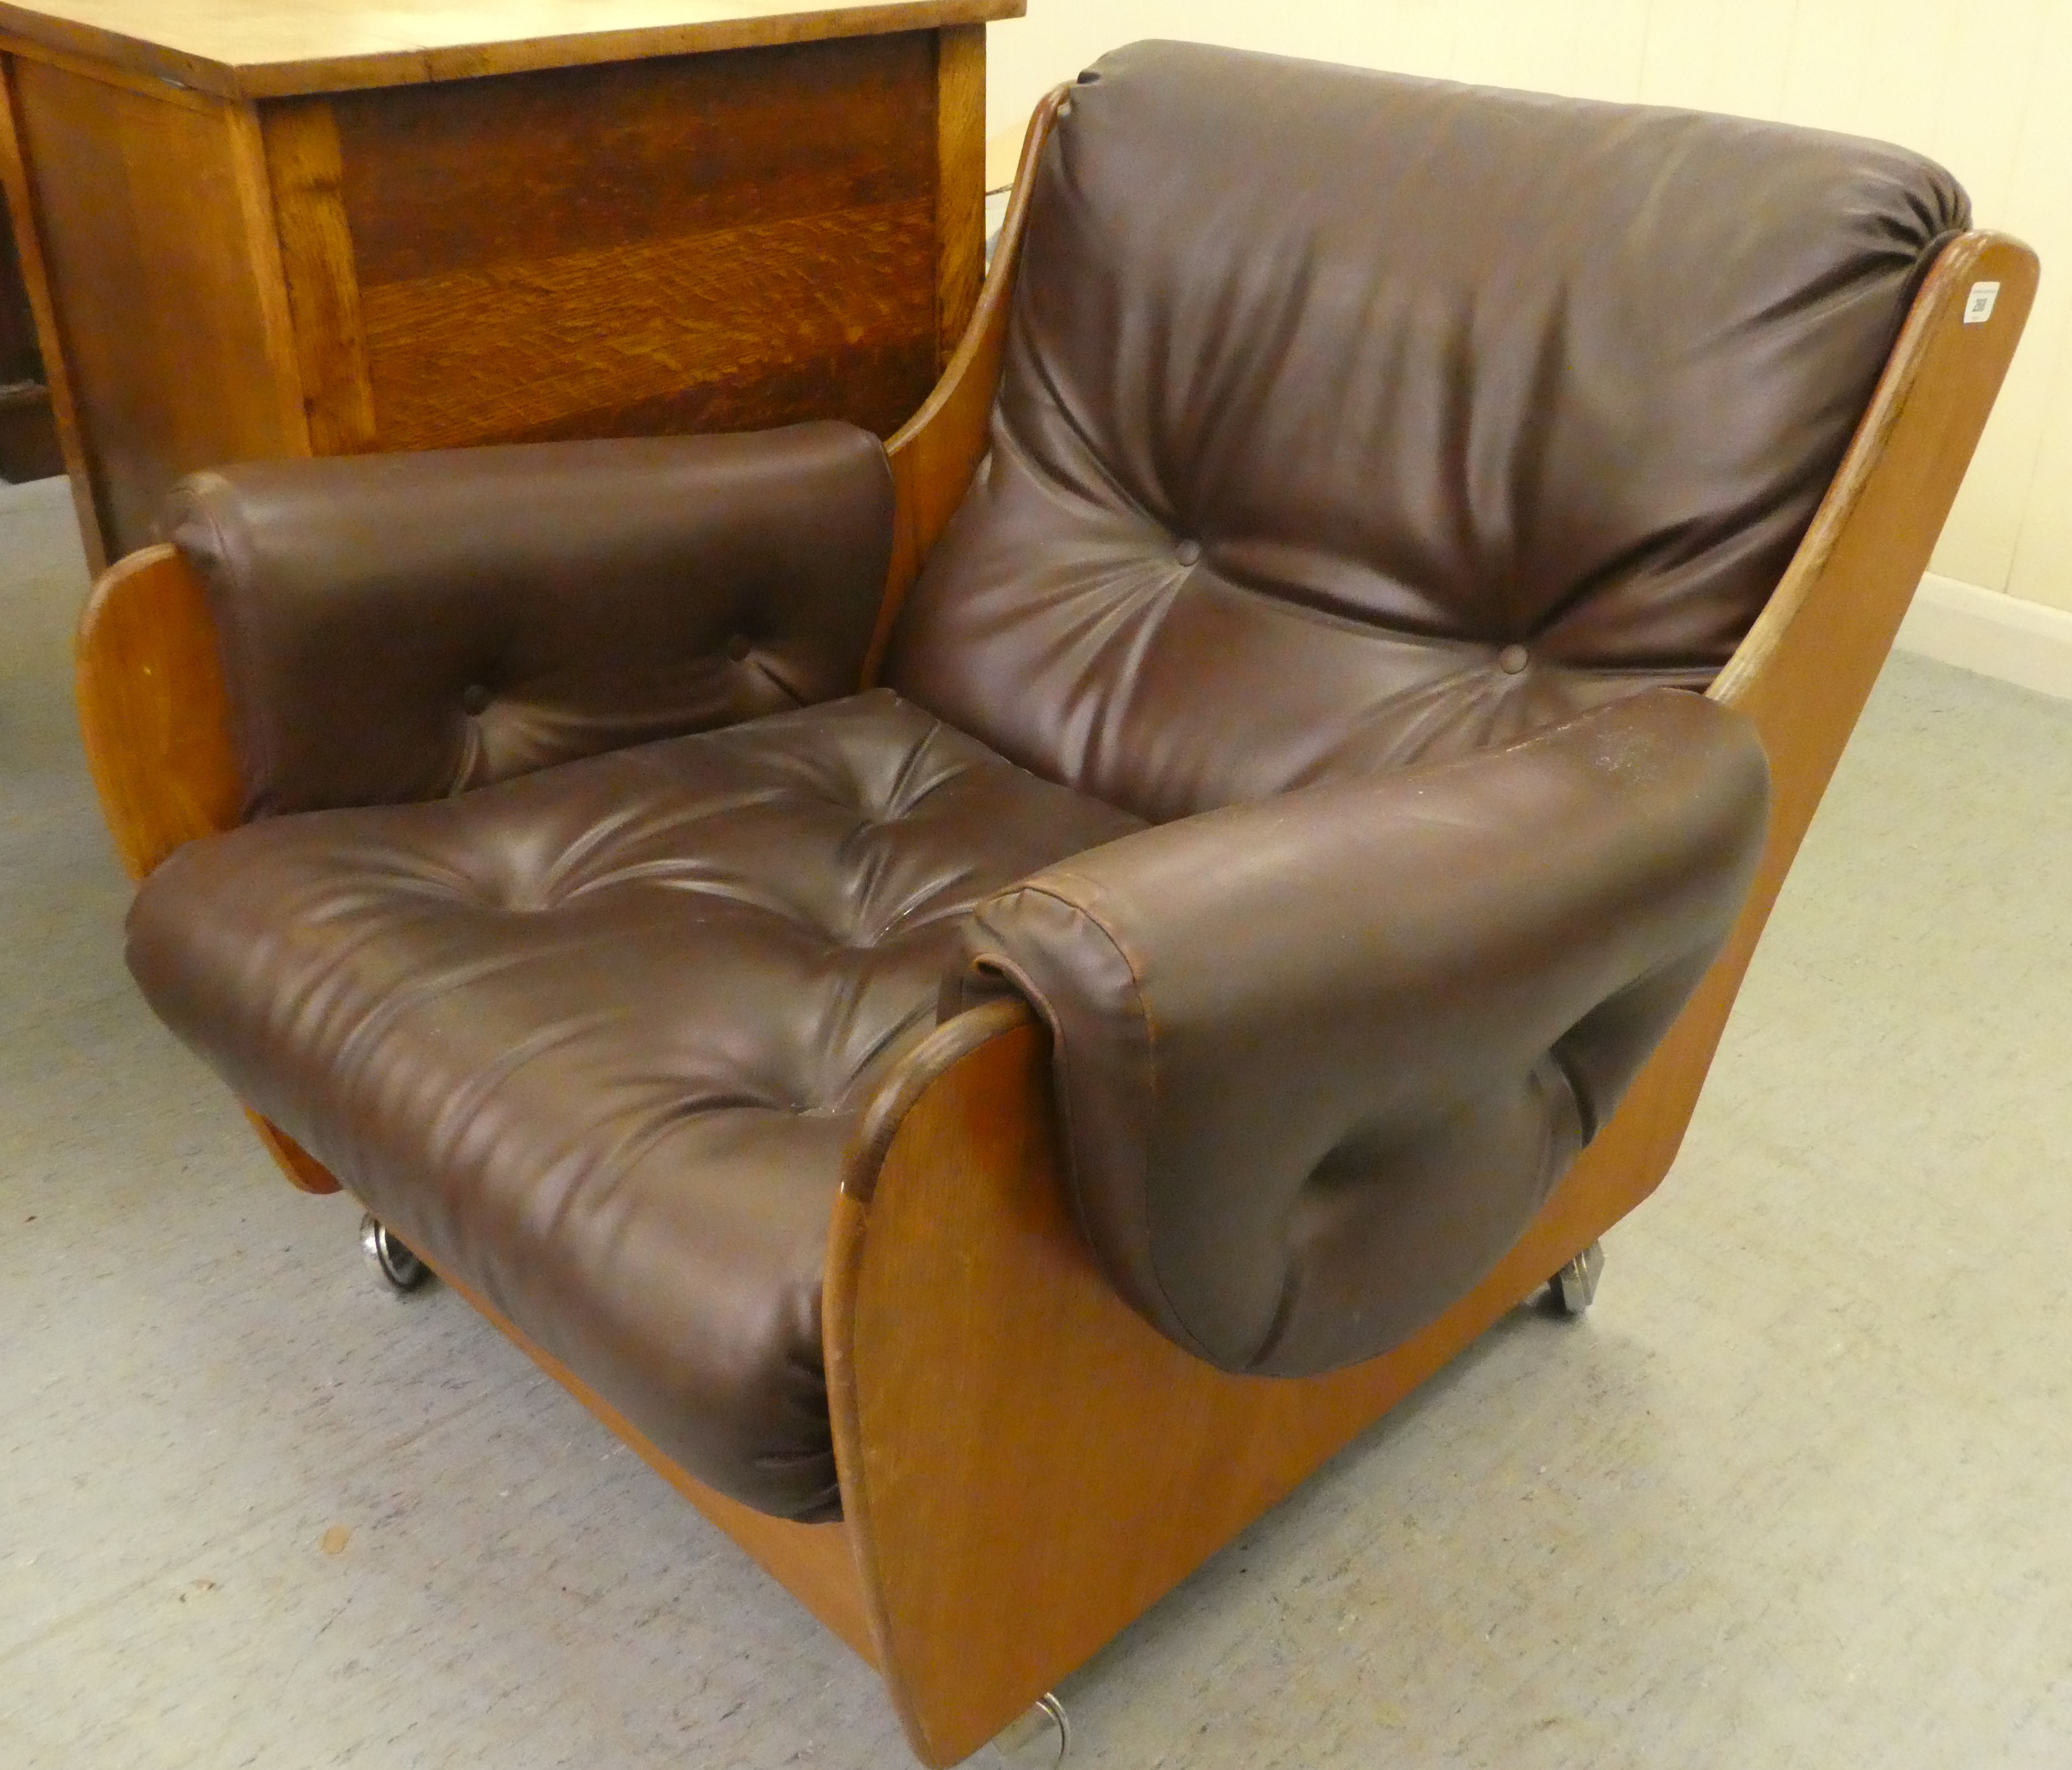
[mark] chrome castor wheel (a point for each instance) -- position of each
(1574, 1288)
(1041, 1737)
(401, 1269)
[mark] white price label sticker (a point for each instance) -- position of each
(1980, 308)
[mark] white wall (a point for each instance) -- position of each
(1984, 86)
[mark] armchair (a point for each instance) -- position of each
(989, 1003)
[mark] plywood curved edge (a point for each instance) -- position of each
(153, 710)
(1806, 666)
(1027, 1466)
(935, 453)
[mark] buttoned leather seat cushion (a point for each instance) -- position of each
(594, 1039)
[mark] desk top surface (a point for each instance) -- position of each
(271, 48)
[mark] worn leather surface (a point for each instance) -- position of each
(398, 627)
(595, 1039)
(1320, 1056)
(1350, 419)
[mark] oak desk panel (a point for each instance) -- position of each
(720, 240)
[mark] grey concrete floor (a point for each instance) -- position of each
(1798, 1492)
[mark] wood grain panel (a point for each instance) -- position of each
(815, 1562)
(26, 220)
(305, 1173)
(497, 353)
(935, 453)
(489, 172)
(306, 171)
(1027, 1466)
(153, 710)
(159, 257)
(29, 444)
(960, 181)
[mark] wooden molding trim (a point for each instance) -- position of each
(111, 73)
(1992, 632)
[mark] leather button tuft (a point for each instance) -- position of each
(1513, 660)
(475, 699)
(1188, 552)
(738, 647)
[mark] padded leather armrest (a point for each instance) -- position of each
(400, 627)
(1320, 1058)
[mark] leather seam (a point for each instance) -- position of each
(1061, 1059)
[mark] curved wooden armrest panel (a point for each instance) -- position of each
(935, 452)
(153, 710)
(1026, 1467)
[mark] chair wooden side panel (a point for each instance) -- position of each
(1027, 1466)
(153, 709)
(815, 1562)
(935, 453)
(1807, 666)
(305, 1173)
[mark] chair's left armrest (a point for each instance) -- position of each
(399, 627)
(1320, 1059)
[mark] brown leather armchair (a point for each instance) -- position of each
(989, 1002)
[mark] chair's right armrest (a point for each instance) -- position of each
(1320, 1058)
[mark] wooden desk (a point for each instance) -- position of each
(266, 228)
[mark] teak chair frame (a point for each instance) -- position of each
(1026, 1466)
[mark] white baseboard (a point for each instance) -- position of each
(2005, 636)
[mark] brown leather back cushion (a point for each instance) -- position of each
(1349, 419)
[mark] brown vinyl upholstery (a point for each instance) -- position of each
(596, 1037)
(1293, 713)
(1297, 1135)
(559, 599)
(1390, 419)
